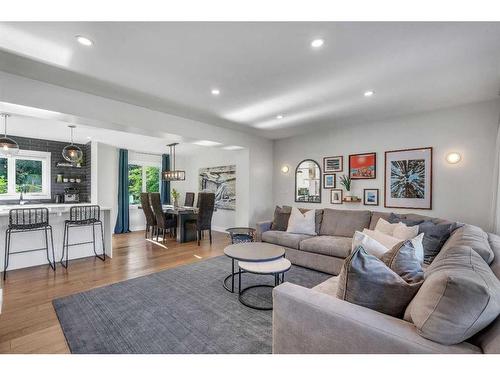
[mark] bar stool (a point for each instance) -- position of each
(28, 220)
(82, 216)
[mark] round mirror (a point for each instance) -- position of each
(308, 182)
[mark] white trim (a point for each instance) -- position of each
(45, 158)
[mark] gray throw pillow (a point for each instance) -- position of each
(435, 235)
(403, 260)
(394, 219)
(460, 297)
(281, 216)
(367, 281)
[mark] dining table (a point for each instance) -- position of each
(183, 214)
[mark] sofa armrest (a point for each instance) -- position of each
(307, 321)
(262, 227)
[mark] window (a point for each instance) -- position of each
(142, 178)
(29, 171)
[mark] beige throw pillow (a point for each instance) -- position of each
(302, 223)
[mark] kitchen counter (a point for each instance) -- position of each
(58, 213)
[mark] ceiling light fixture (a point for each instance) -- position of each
(72, 152)
(207, 143)
(279, 117)
(317, 43)
(172, 174)
(8, 147)
(215, 92)
(368, 93)
(232, 148)
(84, 40)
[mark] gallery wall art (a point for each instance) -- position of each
(408, 178)
(363, 166)
(333, 164)
(222, 182)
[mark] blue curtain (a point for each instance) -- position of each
(122, 220)
(165, 185)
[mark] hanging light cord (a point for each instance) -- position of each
(5, 123)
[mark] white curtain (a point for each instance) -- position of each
(495, 215)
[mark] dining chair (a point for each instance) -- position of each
(163, 223)
(189, 200)
(203, 222)
(148, 213)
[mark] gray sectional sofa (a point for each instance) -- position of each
(315, 321)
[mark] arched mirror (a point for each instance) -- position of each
(308, 182)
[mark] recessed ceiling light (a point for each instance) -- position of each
(206, 143)
(215, 92)
(84, 40)
(232, 148)
(279, 117)
(368, 93)
(317, 43)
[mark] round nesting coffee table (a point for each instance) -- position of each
(250, 252)
(273, 267)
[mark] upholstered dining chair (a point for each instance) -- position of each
(189, 200)
(148, 213)
(206, 206)
(163, 222)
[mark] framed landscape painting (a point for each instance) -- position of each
(363, 166)
(408, 178)
(333, 164)
(370, 197)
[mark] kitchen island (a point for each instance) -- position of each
(58, 213)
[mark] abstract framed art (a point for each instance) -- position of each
(329, 181)
(363, 166)
(408, 178)
(370, 197)
(333, 164)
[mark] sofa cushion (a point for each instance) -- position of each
(395, 218)
(435, 236)
(367, 281)
(281, 216)
(276, 237)
(333, 246)
(475, 237)
(376, 215)
(317, 219)
(328, 286)
(344, 222)
(460, 297)
(494, 241)
(301, 223)
(403, 260)
(371, 245)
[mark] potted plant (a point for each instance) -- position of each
(346, 182)
(175, 197)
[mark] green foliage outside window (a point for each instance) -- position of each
(29, 175)
(134, 183)
(152, 179)
(3, 175)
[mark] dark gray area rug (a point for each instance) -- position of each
(180, 310)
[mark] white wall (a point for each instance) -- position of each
(104, 170)
(460, 192)
(213, 157)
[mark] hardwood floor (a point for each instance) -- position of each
(28, 322)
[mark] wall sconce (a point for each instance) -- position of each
(285, 169)
(453, 157)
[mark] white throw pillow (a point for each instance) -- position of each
(302, 223)
(404, 232)
(385, 227)
(371, 245)
(390, 242)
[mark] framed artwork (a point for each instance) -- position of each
(221, 181)
(408, 178)
(336, 196)
(363, 166)
(370, 197)
(329, 181)
(333, 164)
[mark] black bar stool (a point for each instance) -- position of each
(82, 216)
(28, 220)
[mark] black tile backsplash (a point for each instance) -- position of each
(55, 148)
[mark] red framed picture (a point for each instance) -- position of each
(363, 166)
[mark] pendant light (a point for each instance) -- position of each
(173, 174)
(8, 147)
(72, 152)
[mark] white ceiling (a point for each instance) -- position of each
(265, 69)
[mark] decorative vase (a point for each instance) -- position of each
(176, 202)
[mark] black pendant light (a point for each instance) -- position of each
(72, 152)
(173, 174)
(8, 147)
